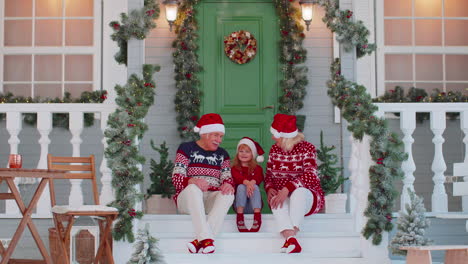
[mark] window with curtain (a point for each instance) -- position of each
(49, 47)
(422, 44)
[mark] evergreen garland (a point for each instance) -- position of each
(124, 127)
(351, 34)
(135, 25)
(330, 176)
(411, 223)
(161, 173)
(146, 249)
(291, 54)
(385, 149)
(58, 119)
(187, 98)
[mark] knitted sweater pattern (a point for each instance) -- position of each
(193, 161)
(294, 169)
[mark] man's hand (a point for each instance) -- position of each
(201, 183)
(271, 193)
(278, 200)
(226, 188)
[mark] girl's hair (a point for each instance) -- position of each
(287, 144)
(238, 164)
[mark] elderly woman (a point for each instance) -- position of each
(291, 180)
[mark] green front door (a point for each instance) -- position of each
(245, 95)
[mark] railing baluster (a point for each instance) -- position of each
(76, 127)
(464, 128)
(407, 124)
(107, 194)
(14, 125)
(439, 196)
(44, 126)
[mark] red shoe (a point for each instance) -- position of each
(257, 223)
(293, 245)
(207, 246)
(285, 247)
(241, 223)
(194, 246)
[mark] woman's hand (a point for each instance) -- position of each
(278, 200)
(271, 193)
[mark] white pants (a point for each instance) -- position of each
(194, 202)
(294, 208)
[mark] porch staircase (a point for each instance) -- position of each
(325, 239)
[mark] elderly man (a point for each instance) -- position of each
(203, 182)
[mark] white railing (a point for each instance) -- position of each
(437, 125)
(44, 126)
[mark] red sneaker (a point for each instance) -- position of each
(194, 246)
(293, 245)
(207, 246)
(241, 223)
(257, 223)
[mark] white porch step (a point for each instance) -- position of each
(276, 258)
(316, 245)
(322, 237)
(314, 223)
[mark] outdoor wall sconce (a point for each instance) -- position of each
(307, 8)
(171, 11)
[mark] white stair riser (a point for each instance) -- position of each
(217, 258)
(268, 225)
(317, 247)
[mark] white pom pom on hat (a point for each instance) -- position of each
(257, 150)
(209, 123)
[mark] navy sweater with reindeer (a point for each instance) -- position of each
(193, 161)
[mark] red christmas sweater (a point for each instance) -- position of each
(294, 169)
(193, 161)
(241, 174)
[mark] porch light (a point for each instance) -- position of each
(307, 8)
(171, 11)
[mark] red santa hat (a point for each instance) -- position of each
(257, 150)
(209, 123)
(284, 126)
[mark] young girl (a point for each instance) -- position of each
(247, 176)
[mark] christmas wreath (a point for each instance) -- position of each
(240, 46)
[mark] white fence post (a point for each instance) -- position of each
(439, 196)
(107, 194)
(408, 124)
(14, 125)
(44, 126)
(76, 127)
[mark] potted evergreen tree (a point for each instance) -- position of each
(331, 179)
(161, 189)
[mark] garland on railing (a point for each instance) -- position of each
(187, 99)
(385, 149)
(351, 34)
(292, 53)
(125, 126)
(135, 25)
(417, 95)
(58, 119)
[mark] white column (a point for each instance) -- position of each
(464, 127)
(439, 196)
(76, 127)
(14, 125)
(107, 194)
(44, 126)
(408, 124)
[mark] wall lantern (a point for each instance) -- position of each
(307, 8)
(171, 11)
